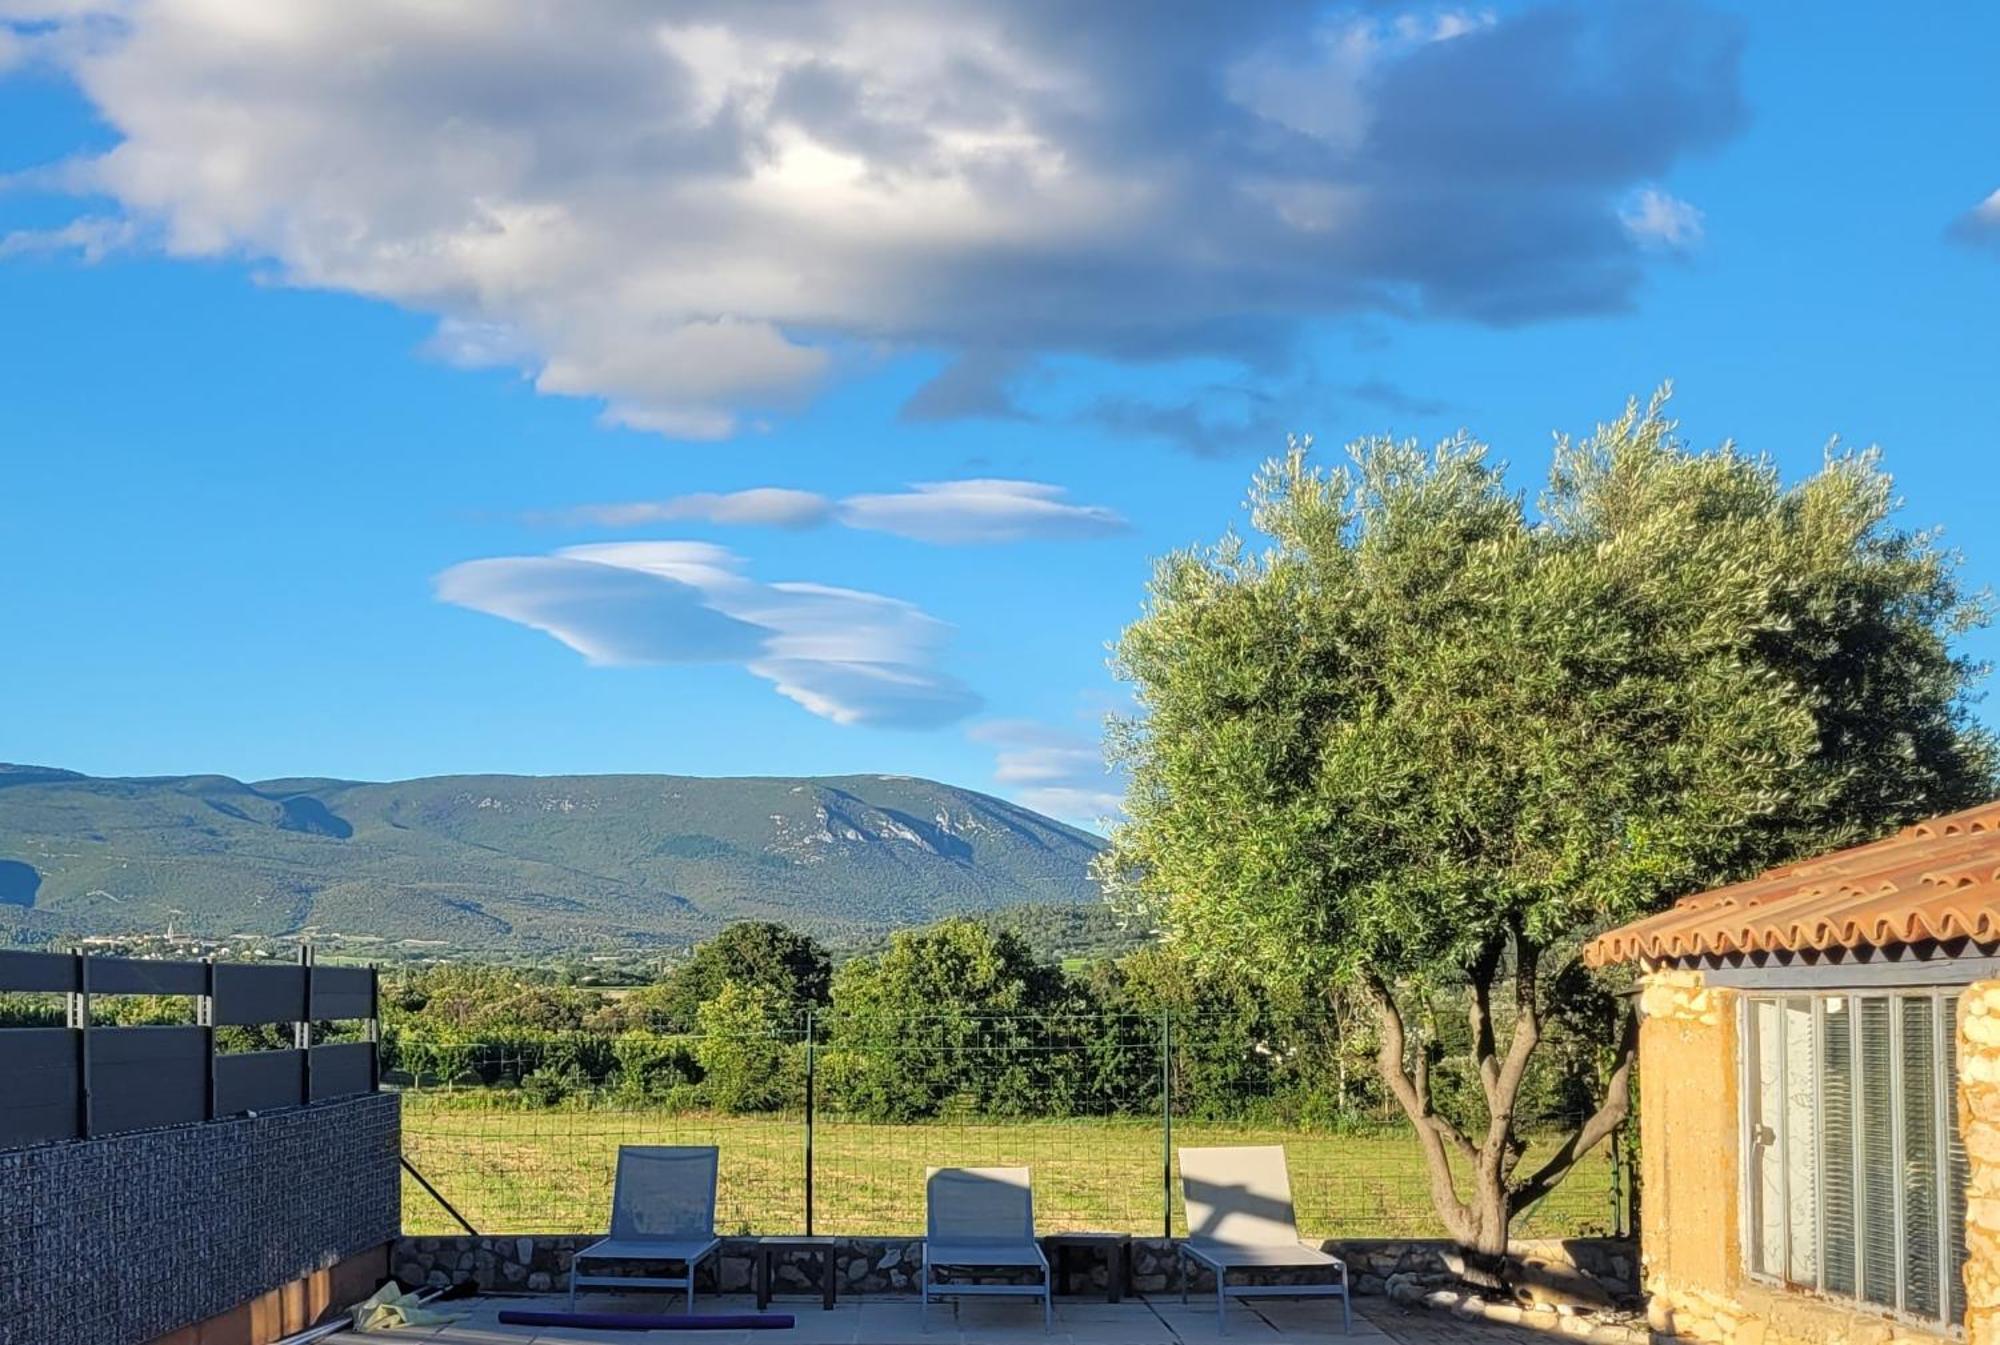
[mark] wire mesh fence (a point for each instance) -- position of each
(1074, 1098)
(829, 1126)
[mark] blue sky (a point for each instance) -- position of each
(330, 337)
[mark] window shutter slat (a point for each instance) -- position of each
(1956, 1172)
(1921, 1263)
(1801, 1145)
(1837, 1145)
(1878, 1155)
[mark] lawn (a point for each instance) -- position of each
(550, 1171)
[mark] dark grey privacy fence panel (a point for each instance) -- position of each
(259, 1080)
(44, 972)
(132, 976)
(342, 992)
(142, 1077)
(85, 1080)
(41, 1100)
(342, 1068)
(247, 995)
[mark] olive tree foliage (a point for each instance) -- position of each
(1431, 737)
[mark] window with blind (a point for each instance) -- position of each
(1854, 1177)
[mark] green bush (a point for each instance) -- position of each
(742, 1056)
(653, 1066)
(550, 1087)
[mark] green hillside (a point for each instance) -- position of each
(528, 864)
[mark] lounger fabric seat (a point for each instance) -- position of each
(982, 1219)
(662, 1210)
(638, 1249)
(1240, 1217)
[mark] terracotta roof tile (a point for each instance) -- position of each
(1936, 880)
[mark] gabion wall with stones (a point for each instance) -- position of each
(540, 1263)
(122, 1239)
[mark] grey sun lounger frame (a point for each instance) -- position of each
(1240, 1217)
(662, 1209)
(982, 1219)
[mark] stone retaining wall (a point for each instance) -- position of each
(539, 1263)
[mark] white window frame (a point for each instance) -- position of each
(1944, 1034)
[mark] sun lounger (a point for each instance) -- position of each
(982, 1219)
(663, 1210)
(1240, 1218)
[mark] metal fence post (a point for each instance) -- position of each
(1166, 1124)
(811, 1087)
(375, 1028)
(1612, 1191)
(204, 1013)
(302, 1031)
(1626, 1218)
(79, 1018)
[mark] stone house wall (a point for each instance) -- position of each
(1979, 1128)
(1690, 1235)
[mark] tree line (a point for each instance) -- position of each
(960, 1018)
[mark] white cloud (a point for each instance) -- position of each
(676, 378)
(845, 655)
(91, 237)
(608, 614)
(944, 512)
(1981, 224)
(764, 506)
(691, 213)
(1659, 220)
(956, 512)
(870, 691)
(1052, 770)
(47, 11)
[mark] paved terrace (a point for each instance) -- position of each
(895, 1321)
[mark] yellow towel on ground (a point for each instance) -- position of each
(389, 1307)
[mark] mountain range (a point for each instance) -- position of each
(523, 864)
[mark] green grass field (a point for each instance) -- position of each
(512, 1171)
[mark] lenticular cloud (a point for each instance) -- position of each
(975, 511)
(846, 655)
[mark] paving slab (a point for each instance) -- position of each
(1420, 1326)
(880, 1320)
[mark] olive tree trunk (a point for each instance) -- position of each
(1473, 1180)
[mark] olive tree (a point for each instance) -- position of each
(1431, 737)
